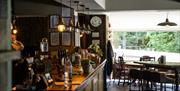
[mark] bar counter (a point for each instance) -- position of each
(94, 81)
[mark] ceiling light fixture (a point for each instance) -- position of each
(61, 25)
(13, 26)
(71, 23)
(84, 29)
(78, 27)
(88, 26)
(167, 22)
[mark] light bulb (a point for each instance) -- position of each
(61, 28)
(14, 31)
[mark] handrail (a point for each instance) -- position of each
(89, 78)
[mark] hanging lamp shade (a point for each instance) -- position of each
(167, 22)
(61, 25)
(88, 26)
(77, 26)
(14, 29)
(71, 24)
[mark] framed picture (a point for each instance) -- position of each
(95, 41)
(53, 21)
(66, 38)
(95, 34)
(54, 39)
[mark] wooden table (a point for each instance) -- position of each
(132, 64)
(175, 66)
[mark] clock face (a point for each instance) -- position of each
(96, 21)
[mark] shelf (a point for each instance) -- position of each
(7, 55)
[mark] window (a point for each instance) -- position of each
(146, 43)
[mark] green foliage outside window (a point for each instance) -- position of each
(158, 41)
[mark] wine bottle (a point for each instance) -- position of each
(67, 73)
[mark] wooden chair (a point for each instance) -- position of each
(155, 77)
(123, 71)
(135, 74)
(147, 58)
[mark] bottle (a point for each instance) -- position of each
(44, 45)
(67, 73)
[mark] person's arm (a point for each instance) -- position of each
(17, 45)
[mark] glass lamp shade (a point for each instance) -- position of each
(84, 27)
(167, 23)
(71, 25)
(78, 25)
(61, 26)
(14, 29)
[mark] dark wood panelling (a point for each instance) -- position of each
(31, 30)
(102, 29)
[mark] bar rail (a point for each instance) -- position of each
(94, 81)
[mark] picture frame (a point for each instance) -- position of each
(95, 41)
(53, 21)
(95, 34)
(54, 39)
(66, 38)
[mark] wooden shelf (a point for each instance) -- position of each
(6, 55)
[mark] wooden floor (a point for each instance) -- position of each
(113, 86)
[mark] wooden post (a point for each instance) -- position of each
(6, 54)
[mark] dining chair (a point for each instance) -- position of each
(135, 74)
(120, 71)
(147, 58)
(123, 71)
(154, 77)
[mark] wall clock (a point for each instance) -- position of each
(96, 21)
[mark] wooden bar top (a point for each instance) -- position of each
(81, 82)
(76, 81)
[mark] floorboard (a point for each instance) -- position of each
(113, 86)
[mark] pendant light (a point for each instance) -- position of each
(78, 27)
(71, 23)
(13, 26)
(84, 29)
(61, 25)
(167, 22)
(88, 26)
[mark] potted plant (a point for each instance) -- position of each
(95, 48)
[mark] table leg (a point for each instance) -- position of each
(176, 80)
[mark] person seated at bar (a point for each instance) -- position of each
(16, 45)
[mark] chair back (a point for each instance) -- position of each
(120, 59)
(121, 62)
(147, 58)
(151, 76)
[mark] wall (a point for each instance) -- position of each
(33, 21)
